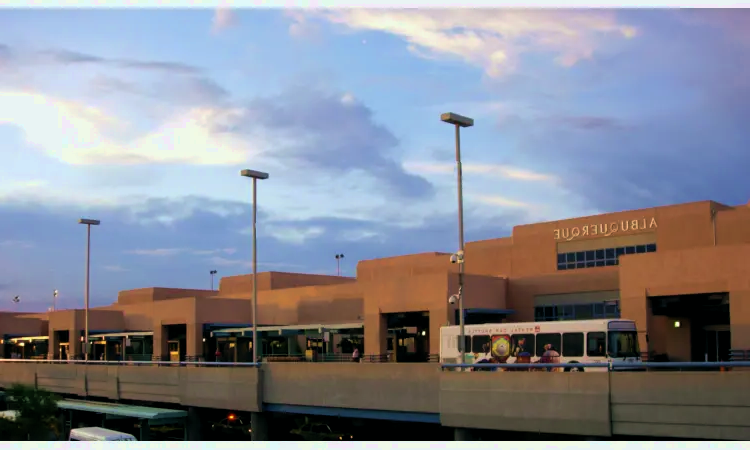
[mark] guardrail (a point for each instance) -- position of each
(610, 366)
(130, 363)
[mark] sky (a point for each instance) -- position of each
(144, 118)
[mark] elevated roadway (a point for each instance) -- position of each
(694, 405)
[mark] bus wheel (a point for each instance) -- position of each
(574, 369)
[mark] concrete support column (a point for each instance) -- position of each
(438, 318)
(194, 341)
(739, 318)
(259, 425)
(376, 334)
(161, 349)
(193, 425)
(463, 434)
(75, 348)
(145, 430)
(53, 347)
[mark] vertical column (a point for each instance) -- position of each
(376, 334)
(194, 341)
(75, 348)
(53, 345)
(193, 425)
(739, 319)
(145, 430)
(259, 425)
(637, 308)
(438, 318)
(161, 349)
(462, 434)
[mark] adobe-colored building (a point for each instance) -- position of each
(681, 272)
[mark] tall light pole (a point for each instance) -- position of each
(54, 300)
(255, 175)
(88, 223)
(339, 257)
(213, 272)
(459, 122)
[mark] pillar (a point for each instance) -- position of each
(145, 430)
(739, 319)
(193, 425)
(438, 319)
(53, 347)
(462, 434)
(259, 425)
(75, 347)
(638, 309)
(161, 349)
(376, 334)
(193, 341)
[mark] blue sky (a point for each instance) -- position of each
(143, 119)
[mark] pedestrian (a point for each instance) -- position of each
(218, 355)
(355, 354)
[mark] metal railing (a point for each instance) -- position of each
(613, 366)
(739, 355)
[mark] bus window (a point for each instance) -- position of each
(542, 339)
(597, 344)
(480, 344)
(572, 345)
(521, 343)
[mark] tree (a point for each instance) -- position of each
(37, 413)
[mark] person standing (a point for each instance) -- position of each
(355, 354)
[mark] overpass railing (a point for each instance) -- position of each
(606, 366)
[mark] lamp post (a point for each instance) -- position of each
(255, 175)
(459, 122)
(212, 273)
(54, 300)
(339, 257)
(88, 223)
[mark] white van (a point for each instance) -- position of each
(99, 434)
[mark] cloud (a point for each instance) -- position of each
(495, 170)
(115, 268)
(223, 18)
(69, 57)
(494, 40)
(177, 251)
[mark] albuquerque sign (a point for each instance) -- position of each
(605, 229)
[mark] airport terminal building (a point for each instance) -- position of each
(681, 272)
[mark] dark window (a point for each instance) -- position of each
(620, 251)
(561, 258)
(580, 265)
(590, 255)
(561, 266)
(583, 312)
(480, 344)
(571, 257)
(596, 344)
(600, 263)
(612, 310)
(600, 254)
(543, 339)
(611, 262)
(581, 257)
(640, 249)
(571, 265)
(572, 345)
(539, 313)
(650, 248)
(598, 310)
(568, 312)
(609, 253)
(629, 250)
(590, 263)
(522, 343)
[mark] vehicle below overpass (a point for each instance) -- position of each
(691, 404)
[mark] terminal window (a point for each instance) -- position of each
(584, 311)
(599, 258)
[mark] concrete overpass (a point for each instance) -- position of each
(699, 405)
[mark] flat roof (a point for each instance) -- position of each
(280, 328)
(138, 412)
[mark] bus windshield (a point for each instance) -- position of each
(623, 344)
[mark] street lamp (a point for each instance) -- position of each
(339, 257)
(212, 273)
(54, 300)
(255, 175)
(88, 223)
(459, 122)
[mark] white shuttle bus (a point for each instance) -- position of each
(576, 341)
(99, 434)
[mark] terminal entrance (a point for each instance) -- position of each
(707, 318)
(408, 339)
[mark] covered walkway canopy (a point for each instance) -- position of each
(146, 415)
(285, 330)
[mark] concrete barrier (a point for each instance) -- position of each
(693, 405)
(566, 403)
(402, 387)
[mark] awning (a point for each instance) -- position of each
(18, 340)
(155, 416)
(282, 330)
(119, 335)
